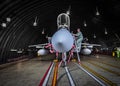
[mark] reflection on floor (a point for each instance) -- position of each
(29, 73)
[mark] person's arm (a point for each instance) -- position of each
(76, 34)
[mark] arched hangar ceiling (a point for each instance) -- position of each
(19, 32)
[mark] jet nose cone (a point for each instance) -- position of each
(62, 40)
(59, 44)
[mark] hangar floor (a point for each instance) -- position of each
(30, 73)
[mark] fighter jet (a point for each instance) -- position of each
(62, 40)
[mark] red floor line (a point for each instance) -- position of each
(42, 80)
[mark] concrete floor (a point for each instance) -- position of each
(106, 66)
(29, 73)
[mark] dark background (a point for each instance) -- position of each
(19, 33)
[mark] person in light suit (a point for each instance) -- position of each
(79, 39)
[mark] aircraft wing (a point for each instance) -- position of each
(38, 45)
(87, 44)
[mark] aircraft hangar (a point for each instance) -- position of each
(27, 27)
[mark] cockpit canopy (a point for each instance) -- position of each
(63, 21)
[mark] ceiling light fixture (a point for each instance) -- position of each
(94, 36)
(8, 19)
(4, 25)
(68, 12)
(97, 12)
(106, 31)
(43, 32)
(85, 24)
(35, 23)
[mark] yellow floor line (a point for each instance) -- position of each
(109, 64)
(100, 76)
(54, 81)
(111, 71)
